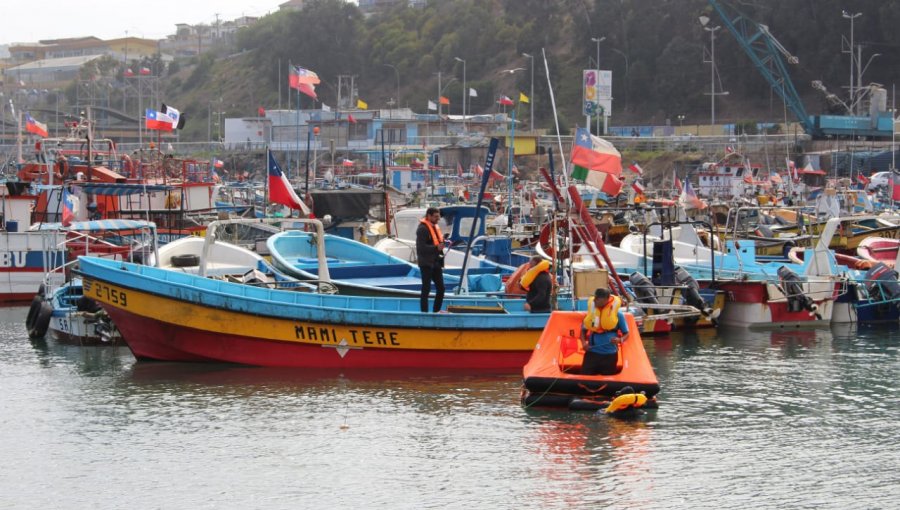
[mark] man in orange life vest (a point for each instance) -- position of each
(603, 329)
(430, 255)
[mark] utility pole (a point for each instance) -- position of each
(851, 17)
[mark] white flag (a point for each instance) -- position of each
(326, 108)
(473, 92)
(432, 105)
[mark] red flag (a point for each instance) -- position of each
(637, 187)
(445, 100)
(70, 207)
(145, 71)
(863, 180)
(506, 101)
(308, 89)
(479, 171)
(678, 186)
(128, 72)
(158, 121)
(261, 111)
(459, 169)
(350, 118)
(636, 168)
(35, 127)
(301, 76)
(280, 190)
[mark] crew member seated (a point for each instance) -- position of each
(603, 329)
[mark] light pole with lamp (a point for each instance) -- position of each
(396, 72)
(851, 17)
(704, 20)
(531, 92)
(681, 120)
(861, 72)
(465, 92)
(598, 40)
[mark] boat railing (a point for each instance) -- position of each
(672, 311)
(213, 229)
(73, 236)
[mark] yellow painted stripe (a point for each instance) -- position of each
(226, 322)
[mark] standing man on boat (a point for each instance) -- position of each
(603, 329)
(537, 300)
(430, 256)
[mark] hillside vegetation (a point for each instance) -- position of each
(655, 49)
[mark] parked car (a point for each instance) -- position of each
(879, 179)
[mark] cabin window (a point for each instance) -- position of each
(739, 172)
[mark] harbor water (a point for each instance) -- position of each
(747, 419)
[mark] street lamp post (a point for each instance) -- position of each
(531, 92)
(465, 92)
(598, 40)
(396, 72)
(851, 17)
(681, 120)
(704, 20)
(861, 72)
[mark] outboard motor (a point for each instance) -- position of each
(791, 284)
(643, 288)
(691, 290)
(882, 284)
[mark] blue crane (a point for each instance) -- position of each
(769, 58)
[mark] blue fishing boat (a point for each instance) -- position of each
(359, 269)
(175, 316)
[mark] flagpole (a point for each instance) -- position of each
(266, 185)
(298, 139)
(509, 165)
(387, 202)
(556, 121)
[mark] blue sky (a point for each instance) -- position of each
(109, 19)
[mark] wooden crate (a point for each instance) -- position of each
(586, 282)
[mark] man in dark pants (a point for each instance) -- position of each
(430, 255)
(538, 298)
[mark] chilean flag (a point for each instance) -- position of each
(35, 127)
(70, 204)
(280, 190)
(158, 121)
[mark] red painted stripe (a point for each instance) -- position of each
(150, 339)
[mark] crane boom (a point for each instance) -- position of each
(768, 55)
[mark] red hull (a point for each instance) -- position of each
(149, 339)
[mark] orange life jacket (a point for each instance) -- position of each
(435, 231)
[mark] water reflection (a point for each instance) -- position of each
(780, 418)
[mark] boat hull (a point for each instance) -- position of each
(187, 322)
(764, 305)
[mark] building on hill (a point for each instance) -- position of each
(369, 7)
(48, 72)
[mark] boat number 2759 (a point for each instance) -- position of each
(110, 295)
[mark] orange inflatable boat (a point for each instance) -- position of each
(553, 378)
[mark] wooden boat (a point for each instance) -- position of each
(879, 249)
(71, 317)
(174, 316)
(552, 378)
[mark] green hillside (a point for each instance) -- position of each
(655, 49)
